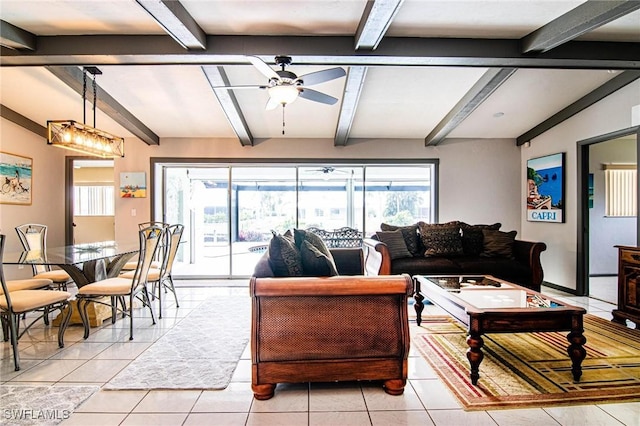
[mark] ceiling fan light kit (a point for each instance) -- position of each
(283, 95)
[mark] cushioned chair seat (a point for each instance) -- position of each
(56, 275)
(109, 287)
(132, 265)
(154, 274)
(30, 284)
(28, 300)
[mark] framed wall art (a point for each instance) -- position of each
(16, 179)
(545, 188)
(133, 185)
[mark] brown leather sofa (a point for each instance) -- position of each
(324, 329)
(524, 268)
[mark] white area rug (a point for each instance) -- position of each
(40, 405)
(200, 352)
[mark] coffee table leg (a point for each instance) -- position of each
(418, 298)
(576, 352)
(475, 355)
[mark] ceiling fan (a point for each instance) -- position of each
(284, 87)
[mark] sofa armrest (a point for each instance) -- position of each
(349, 261)
(331, 286)
(377, 259)
(528, 252)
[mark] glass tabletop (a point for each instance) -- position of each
(485, 292)
(69, 255)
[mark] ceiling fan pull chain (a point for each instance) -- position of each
(283, 105)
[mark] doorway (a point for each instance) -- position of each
(89, 200)
(600, 229)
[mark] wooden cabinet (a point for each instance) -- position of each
(628, 285)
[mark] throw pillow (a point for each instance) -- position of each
(472, 239)
(318, 266)
(284, 256)
(315, 263)
(395, 243)
(498, 243)
(441, 239)
(410, 235)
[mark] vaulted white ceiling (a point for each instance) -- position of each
(434, 73)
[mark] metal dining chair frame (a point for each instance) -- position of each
(11, 319)
(28, 228)
(150, 239)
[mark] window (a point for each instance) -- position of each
(621, 190)
(93, 200)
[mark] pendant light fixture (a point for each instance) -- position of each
(80, 137)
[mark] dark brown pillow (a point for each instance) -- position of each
(498, 243)
(441, 239)
(410, 235)
(284, 256)
(315, 263)
(472, 239)
(317, 260)
(395, 243)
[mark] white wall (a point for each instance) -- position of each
(47, 191)
(611, 114)
(605, 232)
(478, 178)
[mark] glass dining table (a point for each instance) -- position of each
(85, 263)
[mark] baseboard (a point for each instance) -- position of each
(559, 287)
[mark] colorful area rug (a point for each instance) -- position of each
(200, 352)
(533, 369)
(40, 405)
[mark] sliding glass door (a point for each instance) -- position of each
(230, 211)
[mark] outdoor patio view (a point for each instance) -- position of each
(230, 211)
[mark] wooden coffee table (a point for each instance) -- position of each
(489, 305)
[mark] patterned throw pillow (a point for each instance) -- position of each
(395, 243)
(317, 260)
(410, 235)
(441, 239)
(498, 243)
(472, 239)
(284, 256)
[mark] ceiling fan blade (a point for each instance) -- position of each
(272, 104)
(314, 95)
(242, 87)
(322, 76)
(263, 67)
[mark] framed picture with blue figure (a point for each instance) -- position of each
(16, 179)
(545, 188)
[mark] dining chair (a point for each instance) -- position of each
(118, 288)
(133, 264)
(33, 236)
(22, 297)
(161, 277)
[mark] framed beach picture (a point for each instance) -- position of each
(16, 179)
(545, 188)
(133, 185)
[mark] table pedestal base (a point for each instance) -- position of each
(97, 314)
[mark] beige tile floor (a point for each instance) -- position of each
(426, 400)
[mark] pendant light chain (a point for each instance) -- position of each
(84, 96)
(95, 97)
